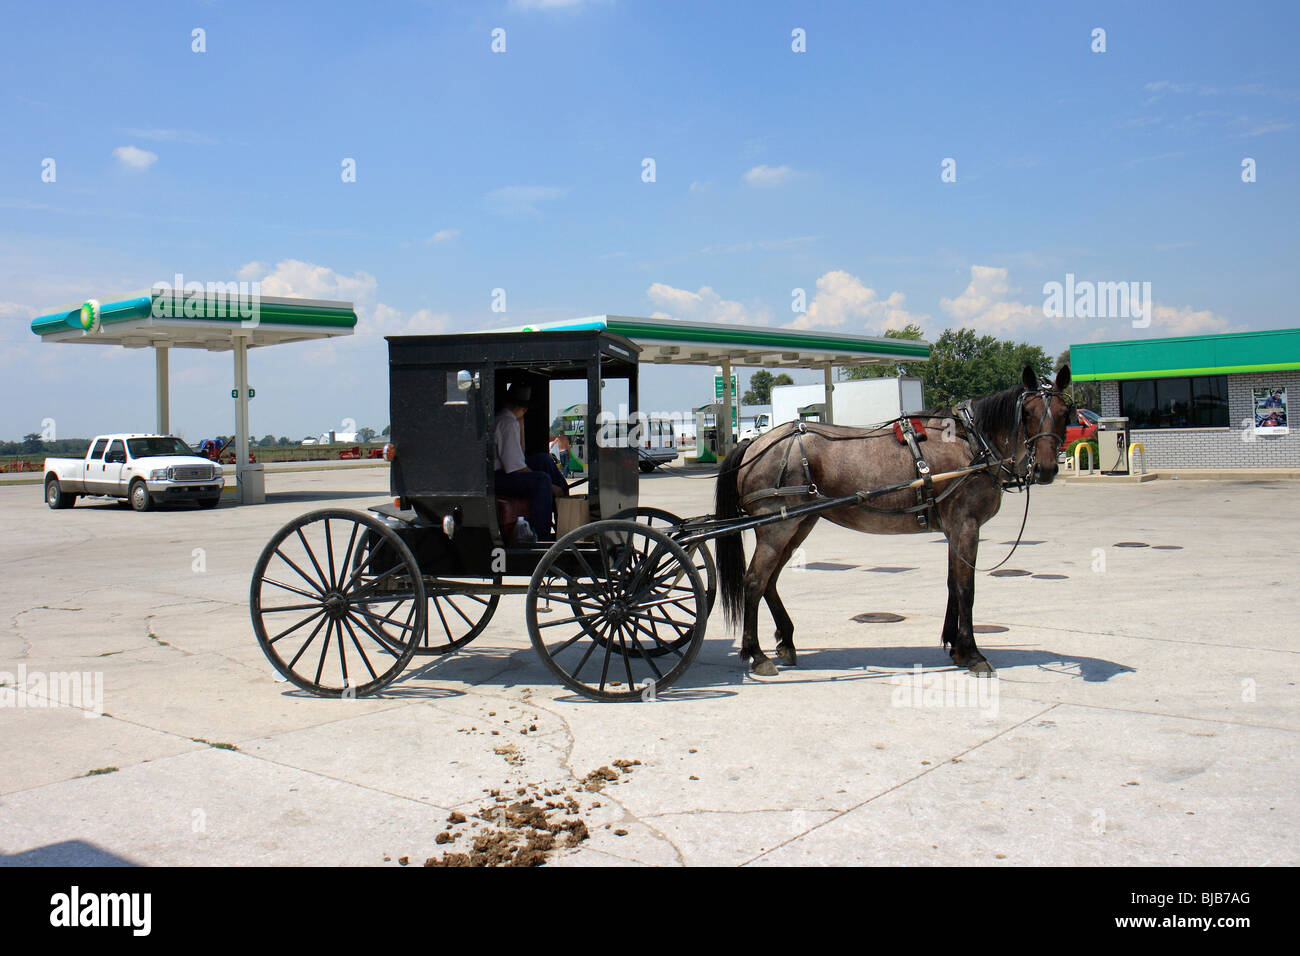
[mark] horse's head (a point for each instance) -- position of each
(1044, 412)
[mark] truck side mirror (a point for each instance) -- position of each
(465, 380)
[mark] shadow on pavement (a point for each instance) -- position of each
(67, 853)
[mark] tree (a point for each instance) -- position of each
(365, 434)
(909, 331)
(31, 442)
(387, 429)
(963, 365)
(1086, 394)
(268, 441)
(761, 384)
(286, 440)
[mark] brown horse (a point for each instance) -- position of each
(1015, 434)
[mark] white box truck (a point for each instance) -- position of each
(860, 403)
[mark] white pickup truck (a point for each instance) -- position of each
(142, 469)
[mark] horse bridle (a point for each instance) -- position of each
(1046, 424)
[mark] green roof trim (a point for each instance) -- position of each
(1231, 353)
(744, 337)
(776, 338)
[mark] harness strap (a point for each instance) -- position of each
(924, 492)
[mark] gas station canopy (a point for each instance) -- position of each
(225, 317)
(672, 342)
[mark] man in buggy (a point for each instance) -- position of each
(534, 477)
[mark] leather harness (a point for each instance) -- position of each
(910, 432)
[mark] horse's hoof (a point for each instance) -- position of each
(788, 655)
(982, 669)
(765, 669)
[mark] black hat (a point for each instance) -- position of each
(518, 394)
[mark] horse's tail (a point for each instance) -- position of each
(730, 548)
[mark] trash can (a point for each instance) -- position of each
(1112, 446)
(251, 480)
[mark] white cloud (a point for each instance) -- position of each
(522, 200)
(703, 306)
(304, 280)
(842, 298)
(443, 235)
(296, 279)
(701, 185)
(988, 306)
(1183, 320)
(984, 304)
(769, 175)
(133, 157)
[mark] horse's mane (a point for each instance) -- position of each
(993, 413)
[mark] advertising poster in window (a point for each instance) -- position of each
(1270, 411)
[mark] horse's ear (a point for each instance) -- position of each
(1028, 379)
(1063, 378)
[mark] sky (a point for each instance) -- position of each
(927, 163)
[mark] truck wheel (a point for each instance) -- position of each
(55, 496)
(140, 499)
(647, 467)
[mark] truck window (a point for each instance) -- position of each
(116, 452)
(97, 453)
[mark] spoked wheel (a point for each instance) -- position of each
(700, 555)
(456, 614)
(326, 621)
(622, 588)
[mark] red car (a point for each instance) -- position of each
(1085, 427)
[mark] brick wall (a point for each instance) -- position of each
(1236, 446)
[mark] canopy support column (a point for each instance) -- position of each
(249, 478)
(724, 426)
(830, 387)
(163, 390)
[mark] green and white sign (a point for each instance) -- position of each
(717, 387)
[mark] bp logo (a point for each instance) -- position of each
(90, 315)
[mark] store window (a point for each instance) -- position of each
(1196, 402)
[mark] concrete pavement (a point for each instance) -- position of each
(1145, 710)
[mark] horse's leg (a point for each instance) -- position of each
(961, 599)
(784, 626)
(768, 550)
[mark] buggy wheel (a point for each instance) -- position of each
(699, 553)
(456, 614)
(626, 587)
(324, 621)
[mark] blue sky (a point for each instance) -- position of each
(522, 170)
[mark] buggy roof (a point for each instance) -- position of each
(557, 354)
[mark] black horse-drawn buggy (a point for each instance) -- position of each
(342, 600)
